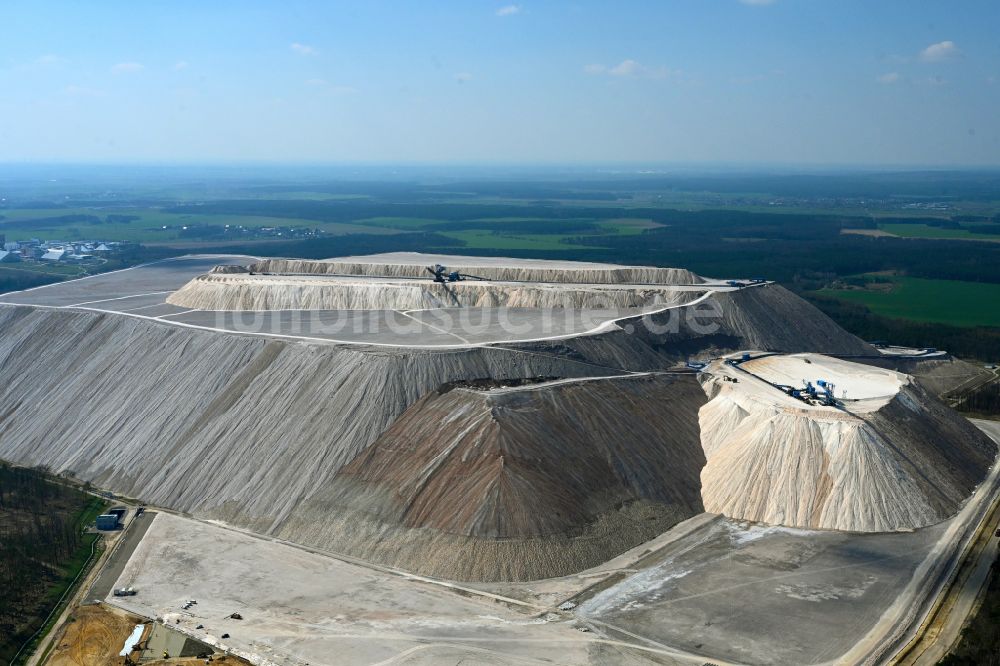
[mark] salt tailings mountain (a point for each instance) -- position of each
(888, 458)
(528, 424)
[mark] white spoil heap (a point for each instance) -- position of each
(220, 291)
(404, 281)
(894, 459)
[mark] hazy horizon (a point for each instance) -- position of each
(720, 84)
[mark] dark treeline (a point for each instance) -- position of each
(33, 535)
(43, 224)
(984, 400)
(981, 342)
(13, 280)
(792, 248)
(979, 644)
(324, 248)
(40, 532)
(56, 221)
(798, 252)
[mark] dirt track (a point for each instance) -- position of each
(220, 661)
(94, 638)
(97, 634)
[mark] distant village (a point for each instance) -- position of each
(37, 250)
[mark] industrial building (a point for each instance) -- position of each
(111, 520)
(107, 521)
(54, 254)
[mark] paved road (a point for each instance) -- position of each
(905, 620)
(113, 568)
(943, 633)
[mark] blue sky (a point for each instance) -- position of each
(844, 82)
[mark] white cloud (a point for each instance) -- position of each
(509, 10)
(303, 49)
(945, 50)
(316, 82)
(628, 68)
(463, 77)
(757, 3)
(180, 64)
(889, 78)
(127, 68)
(49, 59)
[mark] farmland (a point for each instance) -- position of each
(936, 301)
(919, 230)
(150, 225)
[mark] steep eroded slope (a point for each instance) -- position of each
(524, 482)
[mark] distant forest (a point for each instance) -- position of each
(793, 248)
(805, 252)
(787, 228)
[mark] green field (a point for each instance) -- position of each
(628, 226)
(154, 225)
(936, 301)
(482, 239)
(401, 223)
(157, 227)
(498, 239)
(926, 231)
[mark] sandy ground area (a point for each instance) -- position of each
(93, 638)
(729, 592)
(97, 633)
(299, 607)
